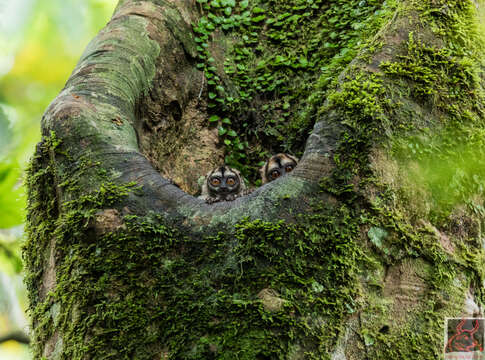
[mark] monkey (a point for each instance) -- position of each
(277, 165)
(222, 184)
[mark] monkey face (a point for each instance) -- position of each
(278, 165)
(224, 182)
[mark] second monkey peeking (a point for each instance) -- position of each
(277, 166)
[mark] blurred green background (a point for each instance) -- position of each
(40, 43)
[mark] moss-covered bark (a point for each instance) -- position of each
(360, 253)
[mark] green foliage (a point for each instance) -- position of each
(38, 73)
(277, 72)
(439, 75)
(447, 163)
(12, 199)
(5, 134)
(443, 162)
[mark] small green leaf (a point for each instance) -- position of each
(226, 121)
(368, 340)
(258, 18)
(376, 235)
(214, 118)
(222, 131)
(279, 59)
(317, 287)
(212, 95)
(303, 62)
(227, 142)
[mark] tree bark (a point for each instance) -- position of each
(360, 253)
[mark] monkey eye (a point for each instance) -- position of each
(275, 174)
(231, 181)
(215, 182)
(289, 168)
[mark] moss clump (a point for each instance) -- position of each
(444, 160)
(129, 286)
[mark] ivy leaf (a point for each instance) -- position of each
(232, 133)
(303, 62)
(377, 235)
(368, 340)
(222, 131)
(317, 287)
(280, 59)
(258, 18)
(214, 118)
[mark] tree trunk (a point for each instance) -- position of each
(360, 253)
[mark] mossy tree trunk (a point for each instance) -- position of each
(360, 253)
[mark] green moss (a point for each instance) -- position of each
(141, 288)
(438, 75)
(444, 159)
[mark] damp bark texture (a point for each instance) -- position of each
(360, 253)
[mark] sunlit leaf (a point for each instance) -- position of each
(11, 199)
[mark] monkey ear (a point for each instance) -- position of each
(294, 158)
